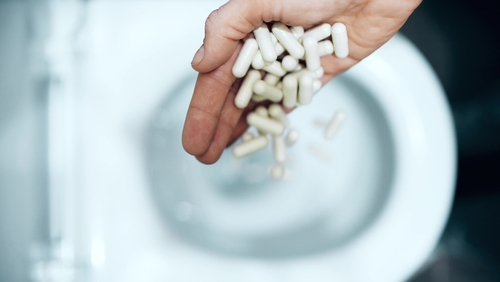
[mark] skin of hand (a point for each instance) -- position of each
(213, 122)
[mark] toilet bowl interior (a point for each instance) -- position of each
(397, 125)
(332, 190)
(379, 209)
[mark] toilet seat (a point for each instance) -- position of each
(404, 233)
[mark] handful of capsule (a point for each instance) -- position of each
(290, 59)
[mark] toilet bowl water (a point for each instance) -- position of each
(372, 176)
(333, 189)
(371, 207)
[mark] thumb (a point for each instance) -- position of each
(224, 28)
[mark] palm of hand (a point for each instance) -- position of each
(213, 121)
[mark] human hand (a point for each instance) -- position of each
(213, 121)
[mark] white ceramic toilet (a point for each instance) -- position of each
(369, 207)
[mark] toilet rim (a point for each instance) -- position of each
(411, 222)
(403, 235)
(404, 226)
(397, 243)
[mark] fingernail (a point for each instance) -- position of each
(198, 56)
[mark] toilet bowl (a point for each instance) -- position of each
(370, 206)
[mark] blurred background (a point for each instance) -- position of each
(460, 40)
(461, 43)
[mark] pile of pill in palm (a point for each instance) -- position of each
(283, 65)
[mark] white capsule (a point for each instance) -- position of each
(277, 171)
(257, 62)
(316, 85)
(279, 149)
(320, 153)
(319, 32)
(275, 69)
(334, 124)
(290, 85)
(299, 67)
(271, 79)
(258, 98)
(276, 112)
(319, 73)
(292, 136)
(246, 89)
(340, 40)
(273, 38)
(299, 73)
(279, 85)
(297, 32)
(313, 61)
(247, 136)
(289, 63)
(279, 49)
(270, 92)
(305, 89)
(251, 146)
(265, 124)
(245, 58)
(265, 42)
(262, 111)
(325, 47)
(286, 38)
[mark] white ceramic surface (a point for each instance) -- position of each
(135, 53)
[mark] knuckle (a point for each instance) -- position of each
(211, 20)
(221, 76)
